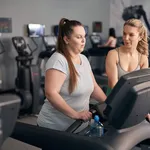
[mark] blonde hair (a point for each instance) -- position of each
(142, 46)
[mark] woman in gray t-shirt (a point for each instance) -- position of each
(69, 81)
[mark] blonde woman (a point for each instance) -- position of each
(133, 55)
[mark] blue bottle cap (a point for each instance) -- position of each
(96, 118)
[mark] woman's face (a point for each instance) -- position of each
(131, 36)
(76, 41)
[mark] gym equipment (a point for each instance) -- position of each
(127, 106)
(95, 39)
(126, 110)
(2, 48)
(97, 58)
(9, 105)
(28, 78)
(50, 45)
(125, 117)
(137, 12)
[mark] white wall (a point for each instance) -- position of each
(116, 10)
(146, 4)
(49, 12)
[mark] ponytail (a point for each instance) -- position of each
(142, 46)
(66, 29)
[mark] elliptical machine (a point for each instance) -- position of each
(28, 78)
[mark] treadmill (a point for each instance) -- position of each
(126, 109)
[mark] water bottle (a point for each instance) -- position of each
(96, 127)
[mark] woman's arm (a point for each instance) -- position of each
(111, 68)
(108, 42)
(54, 80)
(144, 62)
(97, 94)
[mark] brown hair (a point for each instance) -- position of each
(66, 29)
(142, 46)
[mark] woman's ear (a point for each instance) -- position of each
(65, 38)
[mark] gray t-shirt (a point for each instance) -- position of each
(50, 117)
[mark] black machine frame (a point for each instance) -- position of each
(117, 137)
(28, 78)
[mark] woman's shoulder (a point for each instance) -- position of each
(144, 61)
(57, 61)
(112, 38)
(112, 56)
(113, 52)
(58, 56)
(143, 58)
(83, 57)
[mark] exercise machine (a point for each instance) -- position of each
(50, 47)
(28, 78)
(9, 106)
(97, 57)
(136, 12)
(126, 125)
(2, 50)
